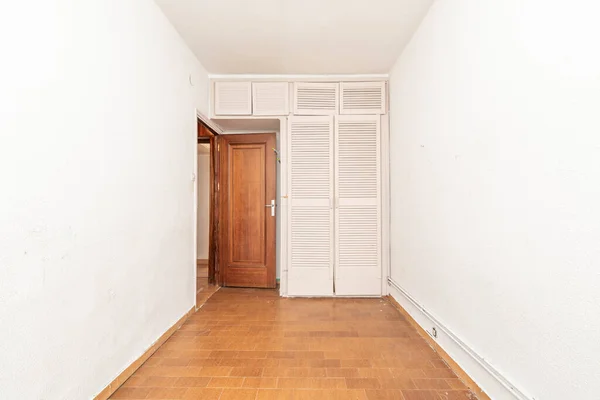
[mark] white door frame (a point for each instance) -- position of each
(385, 202)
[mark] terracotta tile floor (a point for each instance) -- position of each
(252, 344)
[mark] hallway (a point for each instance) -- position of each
(253, 344)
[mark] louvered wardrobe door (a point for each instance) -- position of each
(358, 206)
(310, 264)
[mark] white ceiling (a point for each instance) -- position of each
(296, 36)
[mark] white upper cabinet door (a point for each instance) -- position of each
(270, 98)
(233, 98)
(310, 246)
(358, 205)
(362, 98)
(316, 98)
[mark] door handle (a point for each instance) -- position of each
(272, 205)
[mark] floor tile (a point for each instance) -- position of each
(311, 383)
(363, 383)
(225, 382)
(398, 383)
(262, 383)
(305, 373)
(431, 384)
(159, 381)
(215, 371)
(203, 394)
(190, 381)
(379, 373)
(329, 394)
(246, 371)
(355, 363)
(130, 393)
(238, 394)
(169, 393)
(420, 395)
(275, 394)
(438, 373)
(456, 395)
(456, 384)
(342, 372)
(387, 394)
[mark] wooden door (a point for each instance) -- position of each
(247, 191)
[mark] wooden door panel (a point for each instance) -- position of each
(247, 210)
(248, 229)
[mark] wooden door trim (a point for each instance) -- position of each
(223, 209)
(206, 133)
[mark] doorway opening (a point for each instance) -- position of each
(205, 220)
(237, 200)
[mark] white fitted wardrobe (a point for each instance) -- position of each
(333, 160)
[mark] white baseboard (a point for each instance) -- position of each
(494, 384)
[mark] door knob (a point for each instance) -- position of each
(272, 205)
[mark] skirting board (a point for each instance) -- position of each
(483, 379)
(123, 376)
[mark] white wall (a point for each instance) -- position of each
(495, 177)
(203, 205)
(97, 151)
